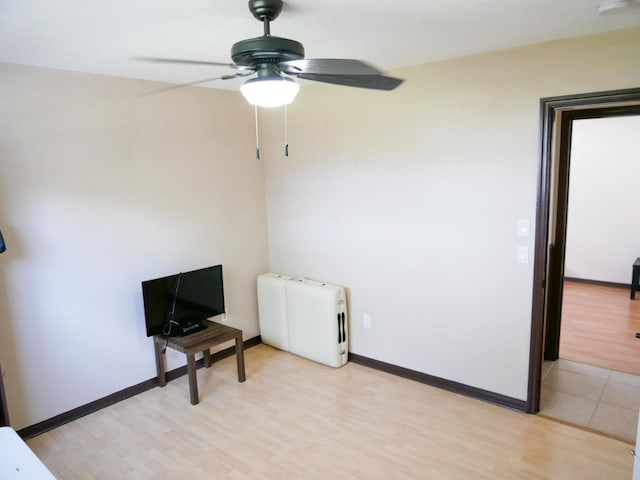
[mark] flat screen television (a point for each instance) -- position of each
(177, 304)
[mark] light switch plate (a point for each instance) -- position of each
(523, 255)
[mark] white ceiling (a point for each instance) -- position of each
(104, 36)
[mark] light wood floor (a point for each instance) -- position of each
(296, 419)
(599, 325)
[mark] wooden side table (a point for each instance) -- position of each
(201, 341)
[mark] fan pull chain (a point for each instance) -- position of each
(257, 135)
(286, 132)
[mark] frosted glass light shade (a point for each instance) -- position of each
(270, 91)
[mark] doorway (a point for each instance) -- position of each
(557, 117)
(598, 320)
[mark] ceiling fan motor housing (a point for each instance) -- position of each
(266, 50)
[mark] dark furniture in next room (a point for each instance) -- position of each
(635, 276)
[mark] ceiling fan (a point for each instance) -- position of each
(274, 60)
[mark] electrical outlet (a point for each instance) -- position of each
(366, 320)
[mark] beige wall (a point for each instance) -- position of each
(411, 199)
(603, 235)
(101, 188)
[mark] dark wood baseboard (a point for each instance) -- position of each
(598, 282)
(66, 417)
(449, 385)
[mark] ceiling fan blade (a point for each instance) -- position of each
(198, 82)
(375, 82)
(328, 66)
(189, 62)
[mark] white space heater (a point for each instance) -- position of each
(305, 317)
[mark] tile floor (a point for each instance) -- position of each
(593, 397)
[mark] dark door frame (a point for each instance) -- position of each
(556, 120)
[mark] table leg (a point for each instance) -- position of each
(206, 356)
(193, 380)
(162, 379)
(634, 281)
(240, 358)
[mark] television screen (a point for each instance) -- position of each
(187, 298)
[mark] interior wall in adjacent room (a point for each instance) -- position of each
(603, 236)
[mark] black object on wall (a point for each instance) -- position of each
(4, 413)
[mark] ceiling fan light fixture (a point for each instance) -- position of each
(272, 91)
